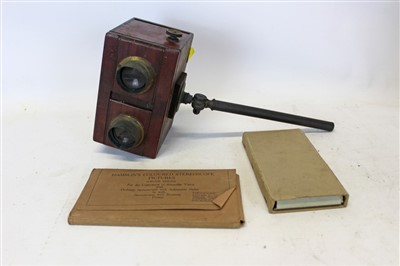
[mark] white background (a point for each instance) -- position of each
(332, 61)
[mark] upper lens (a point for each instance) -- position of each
(133, 79)
(135, 74)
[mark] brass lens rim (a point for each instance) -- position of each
(139, 64)
(128, 124)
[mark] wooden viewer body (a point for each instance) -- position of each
(160, 54)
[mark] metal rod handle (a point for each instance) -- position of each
(200, 101)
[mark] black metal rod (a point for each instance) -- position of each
(270, 115)
(200, 101)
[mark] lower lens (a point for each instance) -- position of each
(122, 137)
(125, 132)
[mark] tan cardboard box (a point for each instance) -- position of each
(290, 172)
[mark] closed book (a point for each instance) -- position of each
(290, 172)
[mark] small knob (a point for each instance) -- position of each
(174, 35)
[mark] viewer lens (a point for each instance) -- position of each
(133, 79)
(135, 74)
(125, 132)
(122, 137)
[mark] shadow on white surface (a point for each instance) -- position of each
(119, 154)
(175, 133)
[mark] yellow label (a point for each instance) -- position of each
(191, 53)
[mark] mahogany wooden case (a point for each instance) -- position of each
(148, 50)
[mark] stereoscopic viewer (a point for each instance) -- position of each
(142, 84)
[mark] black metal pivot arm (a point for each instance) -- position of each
(200, 101)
